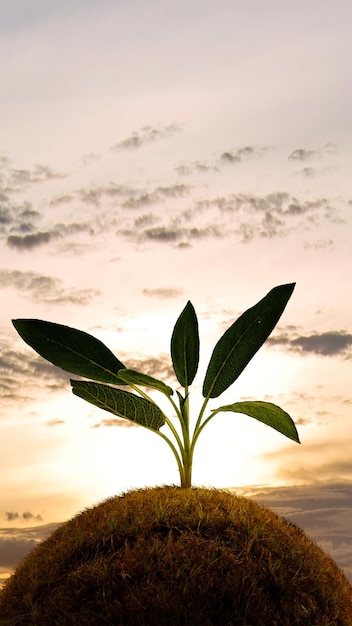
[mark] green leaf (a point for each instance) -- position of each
(131, 377)
(73, 350)
(122, 403)
(267, 413)
(185, 346)
(243, 339)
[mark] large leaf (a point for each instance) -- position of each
(131, 377)
(73, 350)
(267, 413)
(185, 346)
(243, 339)
(122, 403)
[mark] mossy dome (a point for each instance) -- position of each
(178, 557)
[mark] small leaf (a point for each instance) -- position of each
(185, 346)
(131, 377)
(122, 403)
(243, 339)
(73, 350)
(267, 413)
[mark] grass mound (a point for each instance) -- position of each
(178, 557)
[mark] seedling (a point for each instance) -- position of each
(79, 353)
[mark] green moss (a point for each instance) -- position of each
(178, 557)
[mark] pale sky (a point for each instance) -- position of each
(158, 152)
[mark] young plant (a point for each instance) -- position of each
(79, 353)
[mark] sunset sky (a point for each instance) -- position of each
(154, 153)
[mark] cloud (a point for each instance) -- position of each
(228, 157)
(146, 135)
(115, 422)
(23, 374)
(159, 367)
(33, 240)
(18, 179)
(55, 422)
(10, 516)
(16, 543)
(323, 511)
(330, 343)
(303, 155)
(240, 215)
(173, 234)
(94, 195)
(43, 287)
(154, 197)
(162, 293)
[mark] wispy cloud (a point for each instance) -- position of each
(26, 516)
(228, 157)
(44, 288)
(16, 543)
(146, 135)
(33, 240)
(14, 180)
(329, 343)
(304, 154)
(115, 422)
(323, 510)
(162, 293)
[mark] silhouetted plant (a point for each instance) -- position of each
(79, 353)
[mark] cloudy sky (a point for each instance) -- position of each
(158, 152)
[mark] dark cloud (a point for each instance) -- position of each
(145, 220)
(33, 240)
(242, 154)
(242, 215)
(62, 199)
(27, 515)
(16, 543)
(323, 511)
(330, 343)
(29, 241)
(159, 367)
(94, 195)
(156, 196)
(162, 293)
(18, 179)
(174, 191)
(228, 157)
(163, 234)
(174, 234)
(303, 155)
(24, 373)
(145, 135)
(44, 288)
(10, 516)
(144, 199)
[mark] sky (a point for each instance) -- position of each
(155, 153)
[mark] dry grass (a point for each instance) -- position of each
(178, 557)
